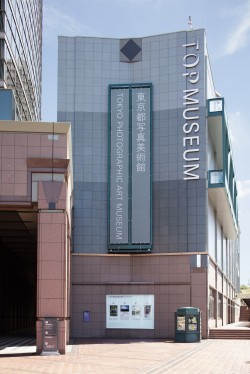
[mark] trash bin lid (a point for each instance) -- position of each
(187, 310)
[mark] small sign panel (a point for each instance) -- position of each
(50, 328)
(193, 323)
(86, 316)
(50, 338)
(181, 323)
(50, 343)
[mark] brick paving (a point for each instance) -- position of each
(135, 356)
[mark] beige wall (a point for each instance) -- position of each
(212, 275)
(218, 281)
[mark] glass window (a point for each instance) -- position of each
(1, 69)
(2, 3)
(1, 48)
(211, 230)
(215, 105)
(216, 177)
(211, 303)
(1, 21)
(219, 244)
(219, 306)
(224, 250)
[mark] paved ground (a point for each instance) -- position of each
(133, 356)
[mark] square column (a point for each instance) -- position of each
(53, 269)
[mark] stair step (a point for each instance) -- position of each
(244, 313)
(229, 334)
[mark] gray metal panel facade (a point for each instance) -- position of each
(87, 66)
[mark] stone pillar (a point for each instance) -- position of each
(52, 260)
(199, 296)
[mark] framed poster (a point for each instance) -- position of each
(130, 311)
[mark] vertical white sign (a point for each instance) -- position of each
(119, 166)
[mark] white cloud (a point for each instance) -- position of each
(240, 37)
(243, 188)
(55, 23)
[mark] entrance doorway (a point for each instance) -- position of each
(18, 270)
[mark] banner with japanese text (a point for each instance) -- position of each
(130, 168)
(141, 165)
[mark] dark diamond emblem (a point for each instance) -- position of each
(130, 49)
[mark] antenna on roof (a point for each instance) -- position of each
(190, 23)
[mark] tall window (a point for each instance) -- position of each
(211, 303)
(1, 20)
(219, 305)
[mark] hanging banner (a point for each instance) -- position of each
(119, 165)
(130, 168)
(141, 165)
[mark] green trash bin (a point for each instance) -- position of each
(187, 325)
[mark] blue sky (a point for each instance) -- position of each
(227, 25)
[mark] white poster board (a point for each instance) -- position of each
(130, 311)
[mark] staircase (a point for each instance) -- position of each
(244, 313)
(239, 330)
(230, 333)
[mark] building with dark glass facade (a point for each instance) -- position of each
(21, 59)
(155, 197)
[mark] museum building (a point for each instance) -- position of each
(126, 208)
(155, 219)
